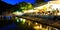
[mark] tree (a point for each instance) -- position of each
(39, 1)
(24, 6)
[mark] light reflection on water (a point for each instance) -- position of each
(28, 25)
(36, 26)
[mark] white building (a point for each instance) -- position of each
(55, 4)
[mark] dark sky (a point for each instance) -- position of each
(13, 2)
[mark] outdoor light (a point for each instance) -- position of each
(36, 23)
(29, 23)
(18, 13)
(36, 27)
(22, 20)
(17, 20)
(29, 11)
(40, 26)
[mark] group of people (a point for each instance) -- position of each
(54, 12)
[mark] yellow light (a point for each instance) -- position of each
(24, 20)
(36, 23)
(28, 11)
(36, 27)
(40, 26)
(29, 23)
(36, 10)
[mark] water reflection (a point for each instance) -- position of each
(30, 25)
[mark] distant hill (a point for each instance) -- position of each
(5, 7)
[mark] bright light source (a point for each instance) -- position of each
(40, 26)
(36, 27)
(17, 20)
(54, 6)
(29, 11)
(18, 13)
(36, 23)
(36, 10)
(24, 20)
(21, 19)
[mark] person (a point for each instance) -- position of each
(57, 11)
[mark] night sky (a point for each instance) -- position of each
(13, 2)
